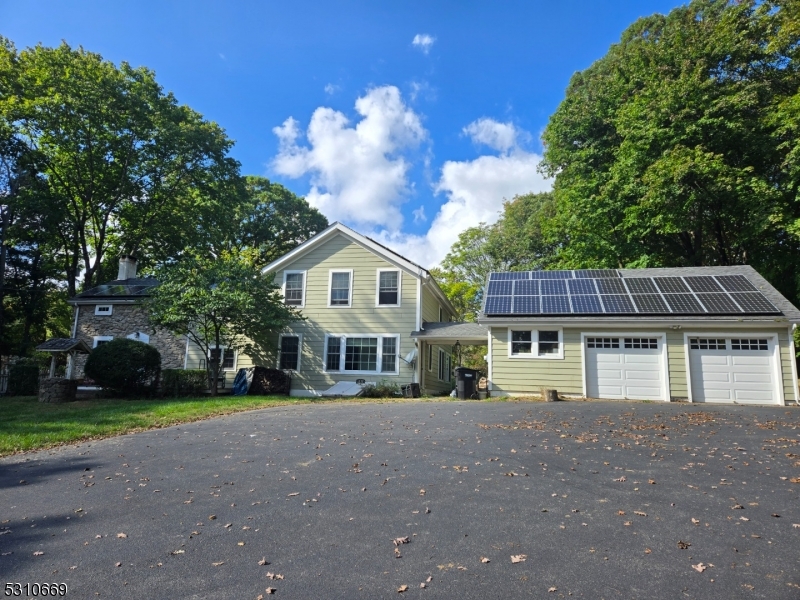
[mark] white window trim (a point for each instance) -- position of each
(299, 351)
(98, 313)
(283, 287)
(666, 389)
(343, 347)
(777, 370)
(101, 338)
(139, 336)
(378, 287)
(330, 284)
(534, 354)
(222, 357)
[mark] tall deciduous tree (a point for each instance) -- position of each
(222, 302)
(679, 147)
(126, 166)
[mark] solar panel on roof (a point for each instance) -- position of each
(507, 275)
(754, 302)
(650, 303)
(526, 287)
(553, 287)
(617, 303)
(596, 273)
(586, 304)
(702, 283)
(581, 286)
(671, 285)
(555, 304)
(611, 286)
(551, 274)
(735, 283)
(525, 305)
(499, 288)
(641, 285)
(719, 303)
(498, 305)
(684, 304)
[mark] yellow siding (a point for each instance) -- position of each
(430, 383)
(363, 317)
(527, 376)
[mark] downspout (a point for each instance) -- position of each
(71, 355)
(793, 352)
(75, 323)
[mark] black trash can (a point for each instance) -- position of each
(466, 383)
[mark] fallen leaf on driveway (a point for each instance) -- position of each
(518, 558)
(622, 479)
(402, 589)
(263, 562)
(640, 513)
(484, 559)
(118, 564)
(122, 535)
(270, 590)
(38, 553)
(552, 589)
(293, 494)
(647, 551)
(699, 567)
(683, 545)
(217, 564)
(797, 525)
(737, 507)
(401, 540)
(695, 521)
(422, 492)
(178, 552)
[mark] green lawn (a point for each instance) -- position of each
(27, 424)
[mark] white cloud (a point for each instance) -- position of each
(423, 41)
(498, 136)
(358, 173)
(419, 215)
(421, 89)
(475, 191)
(331, 89)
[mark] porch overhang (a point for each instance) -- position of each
(449, 333)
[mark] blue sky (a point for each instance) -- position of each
(406, 120)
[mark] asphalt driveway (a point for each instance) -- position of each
(602, 499)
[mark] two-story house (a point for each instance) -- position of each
(361, 302)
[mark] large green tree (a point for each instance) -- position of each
(680, 146)
(216, 302)
(126, 169)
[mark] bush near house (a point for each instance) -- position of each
(125, 367)
(382, 389)
(181, 383)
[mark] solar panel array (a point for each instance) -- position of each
(120, 290)
(605, 291)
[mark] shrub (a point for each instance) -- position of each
(23, 378)
(125, 367)
(382, 389)
(183, 382)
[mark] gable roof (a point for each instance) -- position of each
(790, 313)
(368, 243)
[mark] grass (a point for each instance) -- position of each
(27, 424)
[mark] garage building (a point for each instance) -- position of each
(702, 334)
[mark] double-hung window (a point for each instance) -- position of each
(226, 356)
(362, 353)
(294, 285)
(388, 287)
(535, 343)
(340, 288)
(290, 353)
(445, 366)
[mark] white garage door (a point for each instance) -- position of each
(730, 369)
(623, 367)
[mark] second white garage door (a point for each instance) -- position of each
(625, 367)
(733, 369)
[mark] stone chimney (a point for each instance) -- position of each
(127, 267)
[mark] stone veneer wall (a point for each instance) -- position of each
(125, 320)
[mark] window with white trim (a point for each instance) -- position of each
(294, 286)
(362, 353)
(602, 342)
(388, 287)
(103, 310)
(99, 340)
(708, 344)
(226, 356)
(139, 336)
(749, 344)
(289, 356)
(341, 285)
(535, 343)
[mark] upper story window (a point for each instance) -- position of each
(294, 287)
(388, 287)
(341, 287)
(103, 310)
(535, 343)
